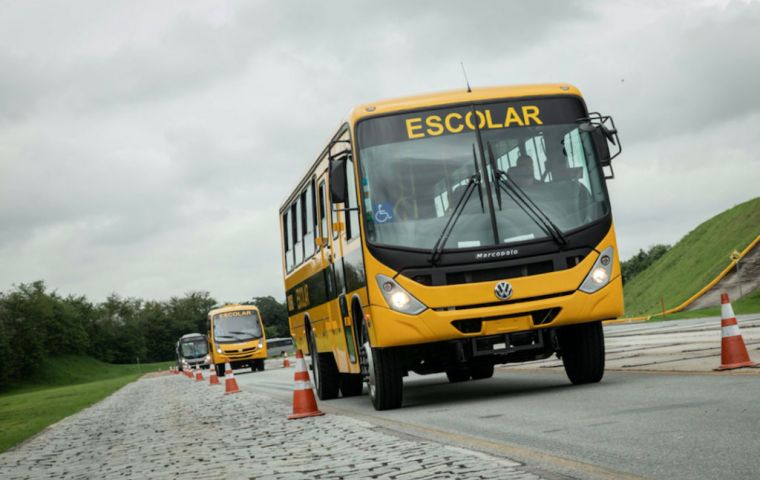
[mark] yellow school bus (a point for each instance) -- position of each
(236, 334)
(452, 232)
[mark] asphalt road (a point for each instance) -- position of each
(653, 425)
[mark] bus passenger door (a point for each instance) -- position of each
(328, 244)
(350, 274)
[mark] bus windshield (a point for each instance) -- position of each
(194, 348)
(237, 326)
(416, 168)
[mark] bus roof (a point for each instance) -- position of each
(190, 336)
(232, 308)
(459, 96)
(450, 97)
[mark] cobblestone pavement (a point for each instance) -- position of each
(171, 427)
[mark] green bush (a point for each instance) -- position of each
(36, 323)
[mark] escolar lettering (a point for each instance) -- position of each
(454, 122)
(237, 313)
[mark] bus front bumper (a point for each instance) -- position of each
(390, 328)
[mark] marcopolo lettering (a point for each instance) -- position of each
(488, 119)
(497, 254)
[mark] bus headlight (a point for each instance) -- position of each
(397, 298)
(207, 359)
(600, 273)
(219, 349)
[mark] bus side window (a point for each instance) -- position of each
(313, 210)
(307, 207)
(322, 211)
(287, 240)
(295, 214)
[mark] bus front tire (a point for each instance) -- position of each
(351, 384)
(458, 374)
(383, 371)
(386, 379)
(582, 348)
(326, 375)
(219, 369)
(482, 371)
(257, 365)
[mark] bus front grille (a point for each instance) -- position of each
(494, 271)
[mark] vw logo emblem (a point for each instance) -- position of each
(503, 290)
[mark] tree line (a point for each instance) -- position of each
(641, 261)
(36, 323)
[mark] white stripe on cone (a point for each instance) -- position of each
(302, 385)
(726, 311)
(731, 331)
(228, 370)
(301, 365)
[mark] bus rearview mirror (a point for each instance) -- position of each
(599, 140)
(338, 180)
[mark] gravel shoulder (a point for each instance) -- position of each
(171, 427)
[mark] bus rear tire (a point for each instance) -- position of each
(326, 375)
(582, 348)
(351, 384)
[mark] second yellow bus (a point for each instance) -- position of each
(236, 335)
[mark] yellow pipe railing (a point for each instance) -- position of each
(701, 292)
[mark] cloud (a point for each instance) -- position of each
(145, 148)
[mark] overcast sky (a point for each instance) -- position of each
(145, 146)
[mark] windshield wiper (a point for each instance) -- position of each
(522, 200)
(435, 254)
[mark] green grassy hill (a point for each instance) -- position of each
(63, 386)
(695, 260)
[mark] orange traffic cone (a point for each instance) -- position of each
(304, 403)
(230, 384)
(213, 379)
(286, 362)
(198, 374)
(733, 352)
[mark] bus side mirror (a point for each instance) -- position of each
(338, 180)
(602, 131)
(601, 148)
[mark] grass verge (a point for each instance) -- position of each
(63, 387)
(692, 262)
(749, 304)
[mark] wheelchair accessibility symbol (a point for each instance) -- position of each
(382, 215)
